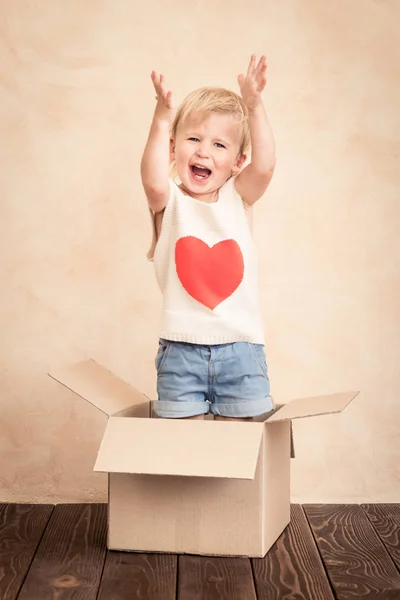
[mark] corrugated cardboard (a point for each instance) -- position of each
(130, 446)
(263, 418)
(103, 389)
(187, 486)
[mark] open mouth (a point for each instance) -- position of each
(200, 173)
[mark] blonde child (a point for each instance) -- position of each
(211, 354)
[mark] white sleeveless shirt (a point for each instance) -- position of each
(206, 266)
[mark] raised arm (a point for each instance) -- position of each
(252, 182)
(154, 166)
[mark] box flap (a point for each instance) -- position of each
(180, 447)
(311, 407)
(99, 386)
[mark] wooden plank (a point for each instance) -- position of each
(215, 578)
(69, 561)
(293, 567)
(357, 563)
(129, 576)
(385, 519)
(21, 529)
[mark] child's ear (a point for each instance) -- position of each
(171, 150)
(241, 159)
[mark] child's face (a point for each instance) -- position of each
(206, 153)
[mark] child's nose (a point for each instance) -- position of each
(203, 151)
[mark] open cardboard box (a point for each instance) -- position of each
(186, 486)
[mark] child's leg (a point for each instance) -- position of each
(182, 380)
(221, 418)
(195, 418)
(240, 382)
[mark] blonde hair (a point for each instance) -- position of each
(206, 100)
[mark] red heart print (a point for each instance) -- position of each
(209, 274)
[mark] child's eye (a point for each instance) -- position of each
(193, 139)
(219, 145)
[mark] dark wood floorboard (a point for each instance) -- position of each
(385, 519)
(357, 563)
(130, 576)
(70, 558)
(21, 528)
(292, 568)
(215, 578)
(60, 554)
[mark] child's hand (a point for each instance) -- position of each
(165, 108)
(253, 83)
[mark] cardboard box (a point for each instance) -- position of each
(188, 486)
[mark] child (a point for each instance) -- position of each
(211, 350)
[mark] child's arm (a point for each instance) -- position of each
(154, 166)
(252, 182)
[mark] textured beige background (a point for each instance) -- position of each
(75, 105)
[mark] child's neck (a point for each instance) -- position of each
(210, 198)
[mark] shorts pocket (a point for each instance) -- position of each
(164, 347)
(259, 354)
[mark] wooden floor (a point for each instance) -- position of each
(342, 552)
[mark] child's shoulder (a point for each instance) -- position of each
(228, 189)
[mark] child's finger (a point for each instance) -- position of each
(163, 89)
(155, 80)
(241, 79)
(262, 65)
(263, 82)
(168, 99)
(261, 75)
(252, 65)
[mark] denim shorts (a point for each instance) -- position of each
(230, 380)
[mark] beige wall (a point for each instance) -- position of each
(75, 105)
